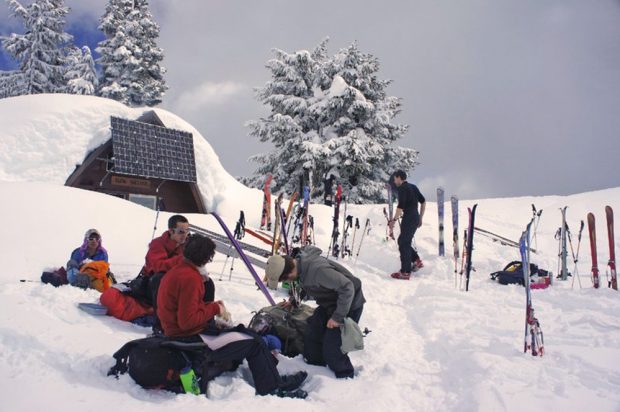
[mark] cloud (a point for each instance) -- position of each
(208, 94)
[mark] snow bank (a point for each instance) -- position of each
(432, 347)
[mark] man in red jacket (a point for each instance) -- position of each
(166, 251)
(184, 313)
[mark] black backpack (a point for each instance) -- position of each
(513, 273)
(289, 325)
(156, 362)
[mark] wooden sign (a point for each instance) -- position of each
(130, 182)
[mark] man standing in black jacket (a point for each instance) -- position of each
(408, 198)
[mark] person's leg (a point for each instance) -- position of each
(404, 246)
(337, 361)
(260, 360)
(313, 337)
(414, 253)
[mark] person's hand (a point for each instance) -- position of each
(332, 324)
(224, 313)
(285, 304)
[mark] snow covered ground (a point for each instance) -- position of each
(432, 346)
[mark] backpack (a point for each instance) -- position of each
(289, 325)
(55, 278)
(156, 362)
(513, 273)
(99, 273)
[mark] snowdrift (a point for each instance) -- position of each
(432, 347)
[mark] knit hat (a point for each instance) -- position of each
(90, 232)
(274, 269)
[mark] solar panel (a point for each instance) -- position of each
(142, 149)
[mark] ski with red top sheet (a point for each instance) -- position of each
(613, 282)
(592, 232)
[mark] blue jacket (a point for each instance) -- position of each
(77, 259)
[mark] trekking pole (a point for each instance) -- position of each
(160, 204)
(366, 230)
(536, 214)
(232, 264)
(226, 262)
(576, 258)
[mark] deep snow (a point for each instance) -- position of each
(432, 347)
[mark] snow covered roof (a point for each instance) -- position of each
(43, 138)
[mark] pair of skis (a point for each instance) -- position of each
(533, 340)
(468, 247)
(265, 221)
(613, 281)
(389, 213)
(334, 248)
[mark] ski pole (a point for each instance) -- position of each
(366, 230)
(576, 258)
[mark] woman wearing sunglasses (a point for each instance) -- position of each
(90, 250)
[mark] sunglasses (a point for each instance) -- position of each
(179, 231)
(94, 238)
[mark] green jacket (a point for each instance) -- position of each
(329, 283)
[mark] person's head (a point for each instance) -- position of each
(280, 268)
(92, 239)
(399, 177)
(178, 226)
(199, 250)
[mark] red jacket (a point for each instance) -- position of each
(180, 307)
(164, 254)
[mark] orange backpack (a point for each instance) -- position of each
(98, 272)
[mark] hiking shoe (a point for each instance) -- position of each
(417, 265)
(295, 394)
(292, 382)
(401, 275)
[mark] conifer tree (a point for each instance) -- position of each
(80, 74)
(41, 50)
(130, 58)
(329, 115)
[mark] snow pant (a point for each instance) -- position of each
(122, 306)
(260, 360)
(408, 255)
(322, 345)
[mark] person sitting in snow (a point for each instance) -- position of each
(91, 250)
(165, 252)
(338, 294)
(136, 300)
(184, 314)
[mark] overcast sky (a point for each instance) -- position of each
(503, 97)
